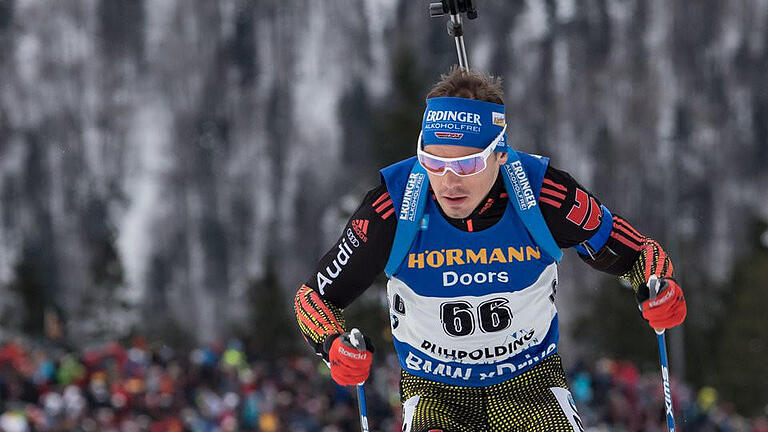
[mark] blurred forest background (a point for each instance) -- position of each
(175, 168)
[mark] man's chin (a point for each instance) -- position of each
(457, 209)
(456, 213)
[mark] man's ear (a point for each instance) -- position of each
(502, 158)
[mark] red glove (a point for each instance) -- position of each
(665, 310)
(350, 355)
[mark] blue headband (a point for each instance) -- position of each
(463, 122)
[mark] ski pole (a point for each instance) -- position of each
(654, 285)
(359, 342)
(363, 409)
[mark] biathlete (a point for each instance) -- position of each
(469, 232)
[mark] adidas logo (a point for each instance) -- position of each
(360, 226)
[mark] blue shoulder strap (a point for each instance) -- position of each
(523, 200)
(408, 216)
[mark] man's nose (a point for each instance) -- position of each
(451, 179)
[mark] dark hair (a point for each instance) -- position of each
(459, 82)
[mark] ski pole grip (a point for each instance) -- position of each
(654, 286)
(356, 339)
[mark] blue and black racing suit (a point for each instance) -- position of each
(472, 307)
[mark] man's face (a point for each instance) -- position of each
(458, 196)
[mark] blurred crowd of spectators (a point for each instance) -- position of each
(138, 387)
(614, 396)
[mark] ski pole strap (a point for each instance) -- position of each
(408, 217)
(523, 200)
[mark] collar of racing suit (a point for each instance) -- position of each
(487, 213)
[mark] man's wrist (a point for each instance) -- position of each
(328, 342)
